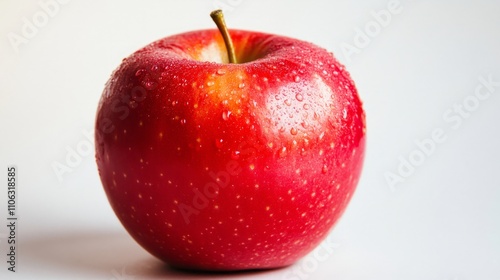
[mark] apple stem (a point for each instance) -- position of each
(218, 18)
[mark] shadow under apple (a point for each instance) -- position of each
(106, 255)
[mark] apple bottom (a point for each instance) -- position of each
(237, 215)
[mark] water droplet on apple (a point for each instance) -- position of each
(281, 129)
(306, 106)
(140, 72)
(287, 102)
(219, 142)
(183, 121)
(154, 68)
(225, 115)
(320, 137)
(221, 71)
(306, 142)
(282, 152)
(242, 85)
(293, 131)
(344, 113)
(150, 85)
(335, 73)
(304, 124)
(271, 66)
(324, 169)
(210, 83)
(299, 97)
(297, 79)
(235, 154)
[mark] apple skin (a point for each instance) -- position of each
(220, 167)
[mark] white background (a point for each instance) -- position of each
(441, 223)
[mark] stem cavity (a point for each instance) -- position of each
(218, 18)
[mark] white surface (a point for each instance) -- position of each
(441, 223)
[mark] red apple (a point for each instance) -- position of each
(213, 165)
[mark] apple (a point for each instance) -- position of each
(228, 156)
